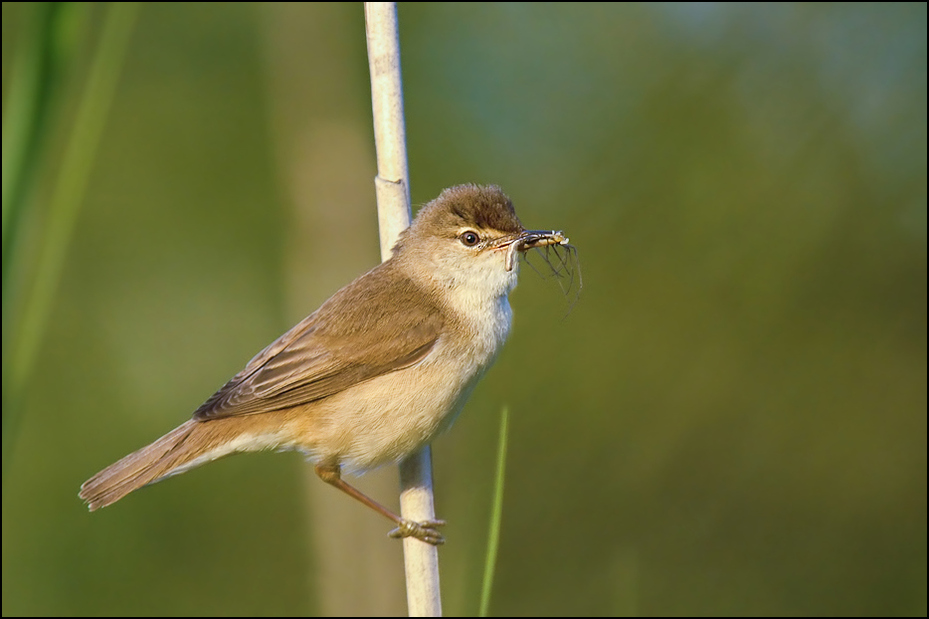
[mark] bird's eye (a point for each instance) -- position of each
(469, 238)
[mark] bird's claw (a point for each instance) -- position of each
(424, 531)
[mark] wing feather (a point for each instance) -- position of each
(380, 323)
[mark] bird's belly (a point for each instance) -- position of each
(387, 418)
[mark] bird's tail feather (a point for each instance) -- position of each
(150, 464)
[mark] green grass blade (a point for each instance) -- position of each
(496, 516)
(64, 205)
(28, 103)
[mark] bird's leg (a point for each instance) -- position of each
(424, 531)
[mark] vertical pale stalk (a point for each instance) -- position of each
(393, 204)
(391, 182)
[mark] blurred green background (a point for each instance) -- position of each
(731, 420)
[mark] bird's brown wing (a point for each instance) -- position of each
(377, 324)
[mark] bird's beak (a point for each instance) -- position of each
(526, 240)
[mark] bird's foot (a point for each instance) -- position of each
(424, 531)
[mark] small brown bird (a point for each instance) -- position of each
(377, 372)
